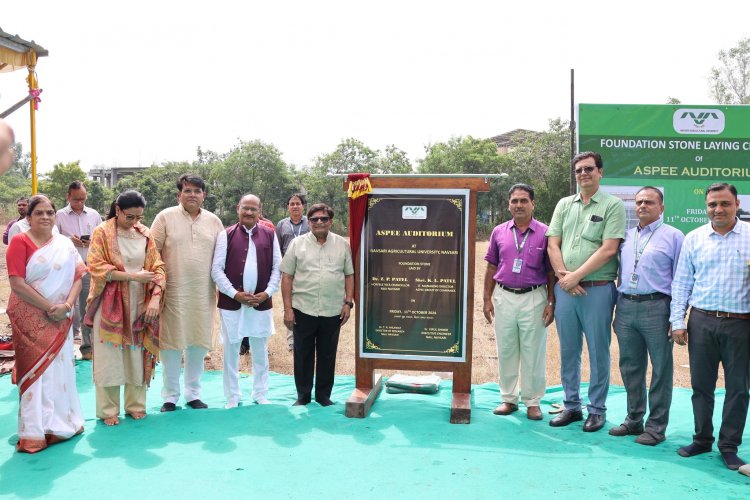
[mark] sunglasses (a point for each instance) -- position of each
(319, 219)
(581, 170)
(131, 218)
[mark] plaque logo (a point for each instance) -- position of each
(413, 212)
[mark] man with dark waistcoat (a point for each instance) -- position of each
(713, 278)
(518, 295)
(648, 259)
(246, 270)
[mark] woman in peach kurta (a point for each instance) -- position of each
(126, 289)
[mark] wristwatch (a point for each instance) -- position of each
(349, 303)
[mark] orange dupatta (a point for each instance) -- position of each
(114, 298)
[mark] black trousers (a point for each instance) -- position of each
(712, 341)
(311, 334)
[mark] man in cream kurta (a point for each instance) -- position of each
(186, 235)
(246, 270)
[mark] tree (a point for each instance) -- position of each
(56, 185)
(351, 155)
(730, 81)
(158, 185)
(22, 163)
(673, 100)
(394, 161)
(543, 160)
(467, 155)
(251, 167)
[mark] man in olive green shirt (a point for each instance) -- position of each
(317, 285)
(583, 238)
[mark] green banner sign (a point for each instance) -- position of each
(680, 149)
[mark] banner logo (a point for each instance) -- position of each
(413, 212)
(698, 121)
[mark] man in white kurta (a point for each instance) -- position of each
(186, 235)
(247, 321)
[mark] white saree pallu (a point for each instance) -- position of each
(49, 409)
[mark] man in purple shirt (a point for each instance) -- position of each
(648, 260)
(518, 293)
(77, 222)
(21, 204)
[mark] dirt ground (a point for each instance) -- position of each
(484, 367)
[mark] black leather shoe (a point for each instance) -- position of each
(301, 402)
(566, 417)
(197, 404)
(325, 402)
(593, 423)
(168, 407)
(624, 430)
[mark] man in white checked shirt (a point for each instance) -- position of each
(713, 277)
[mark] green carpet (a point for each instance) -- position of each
(405, 449)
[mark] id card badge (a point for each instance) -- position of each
(633, 280)
(517, 263)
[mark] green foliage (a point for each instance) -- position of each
(157, 185)
(251, 167)
(730, 81)
(57, 182)
(467, 155)
(22, 163)
(99, 196)
(543, 161)
(540, 159)
(351, 155)
(17, 182)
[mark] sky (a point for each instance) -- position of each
(143, 82)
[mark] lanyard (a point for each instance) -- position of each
(515, 239)
(639, 252)
(299, 229)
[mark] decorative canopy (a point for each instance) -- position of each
(17, 53)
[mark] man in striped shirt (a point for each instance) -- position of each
(713, 278)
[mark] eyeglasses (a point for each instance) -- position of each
(581, 170)
(131, 218)
(319, 219)
(42, 213)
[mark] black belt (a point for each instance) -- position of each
(722, 314)
(519, 291)
(644, 297)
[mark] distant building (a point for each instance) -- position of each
(110, 176)
(509, 140)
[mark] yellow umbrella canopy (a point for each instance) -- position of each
(17, 53)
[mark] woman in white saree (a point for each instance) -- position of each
(45, 272)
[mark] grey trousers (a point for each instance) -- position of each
(81, 311)
(642, 331)
(713, 340)
(590, 316)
